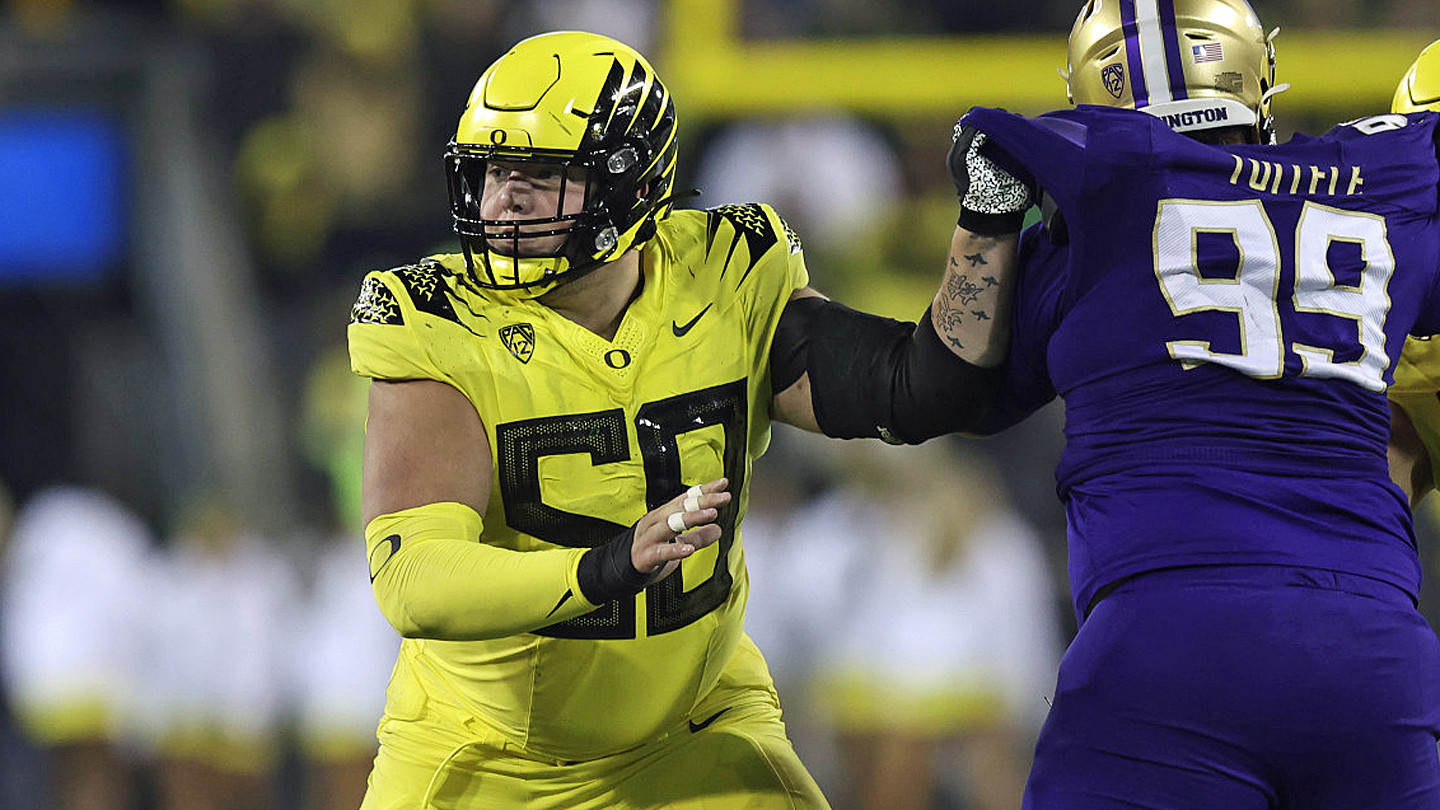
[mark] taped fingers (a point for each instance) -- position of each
(676, 521)
(692, 499)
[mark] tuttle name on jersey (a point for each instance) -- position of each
(1283, 178)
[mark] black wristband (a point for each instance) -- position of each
(991, 224)
(606, 573)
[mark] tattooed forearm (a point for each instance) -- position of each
(970, 312)
(961, 289)
(948, 317)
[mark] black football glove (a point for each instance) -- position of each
(993, 201)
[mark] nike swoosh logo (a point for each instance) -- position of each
(377, 564)
(682, 331)
(704, 724)
(563, 600)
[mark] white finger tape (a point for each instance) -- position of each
(692, 503)
(676, 522)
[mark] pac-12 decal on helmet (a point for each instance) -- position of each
(1113, 77)
(577, 101)
(1197, 64)
(1420, 88)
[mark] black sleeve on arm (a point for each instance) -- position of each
(873, 377)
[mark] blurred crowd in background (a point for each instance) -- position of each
(191, 192)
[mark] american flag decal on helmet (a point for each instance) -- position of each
(1207, 52)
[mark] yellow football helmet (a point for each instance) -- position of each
(1420, 89)
(1197, 64)
(582, 101)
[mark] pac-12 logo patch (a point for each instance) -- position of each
(519, 338)
(1113, 77)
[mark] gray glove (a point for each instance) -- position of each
(993, 201)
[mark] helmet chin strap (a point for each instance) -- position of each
(582, 270)
(578, 268)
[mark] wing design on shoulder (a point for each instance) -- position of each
(376, 304)
(429, 285)
(393, 330)
(752, 224)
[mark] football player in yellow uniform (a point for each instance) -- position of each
(562, 420)
(1415, 395)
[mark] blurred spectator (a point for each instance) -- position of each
(343, 157)
(342, 646)
(75, 595)
(217, 685)
(797, 588)
(18, 765)
(829, 175)
(892, 258)
(953, 642)
(924, 609)
(343, 650)
(332, 433)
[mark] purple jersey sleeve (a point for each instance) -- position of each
(1026, 386)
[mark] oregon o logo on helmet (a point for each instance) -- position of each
(497, 137)
(617, 358)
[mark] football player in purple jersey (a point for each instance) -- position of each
(1222, 321)
(1222, 317)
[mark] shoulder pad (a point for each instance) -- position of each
(756, 223)
(426, 283)
(376, 304)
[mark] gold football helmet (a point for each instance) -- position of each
(576, 101)
(1196, 64)
(1420, 89)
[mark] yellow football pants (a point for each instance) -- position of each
(741, 758)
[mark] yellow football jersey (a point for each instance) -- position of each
(1417, 390)
(588, 435)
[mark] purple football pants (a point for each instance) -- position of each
(1245, 688)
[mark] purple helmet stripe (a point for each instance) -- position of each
(1172, 49)
(1138, 88)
